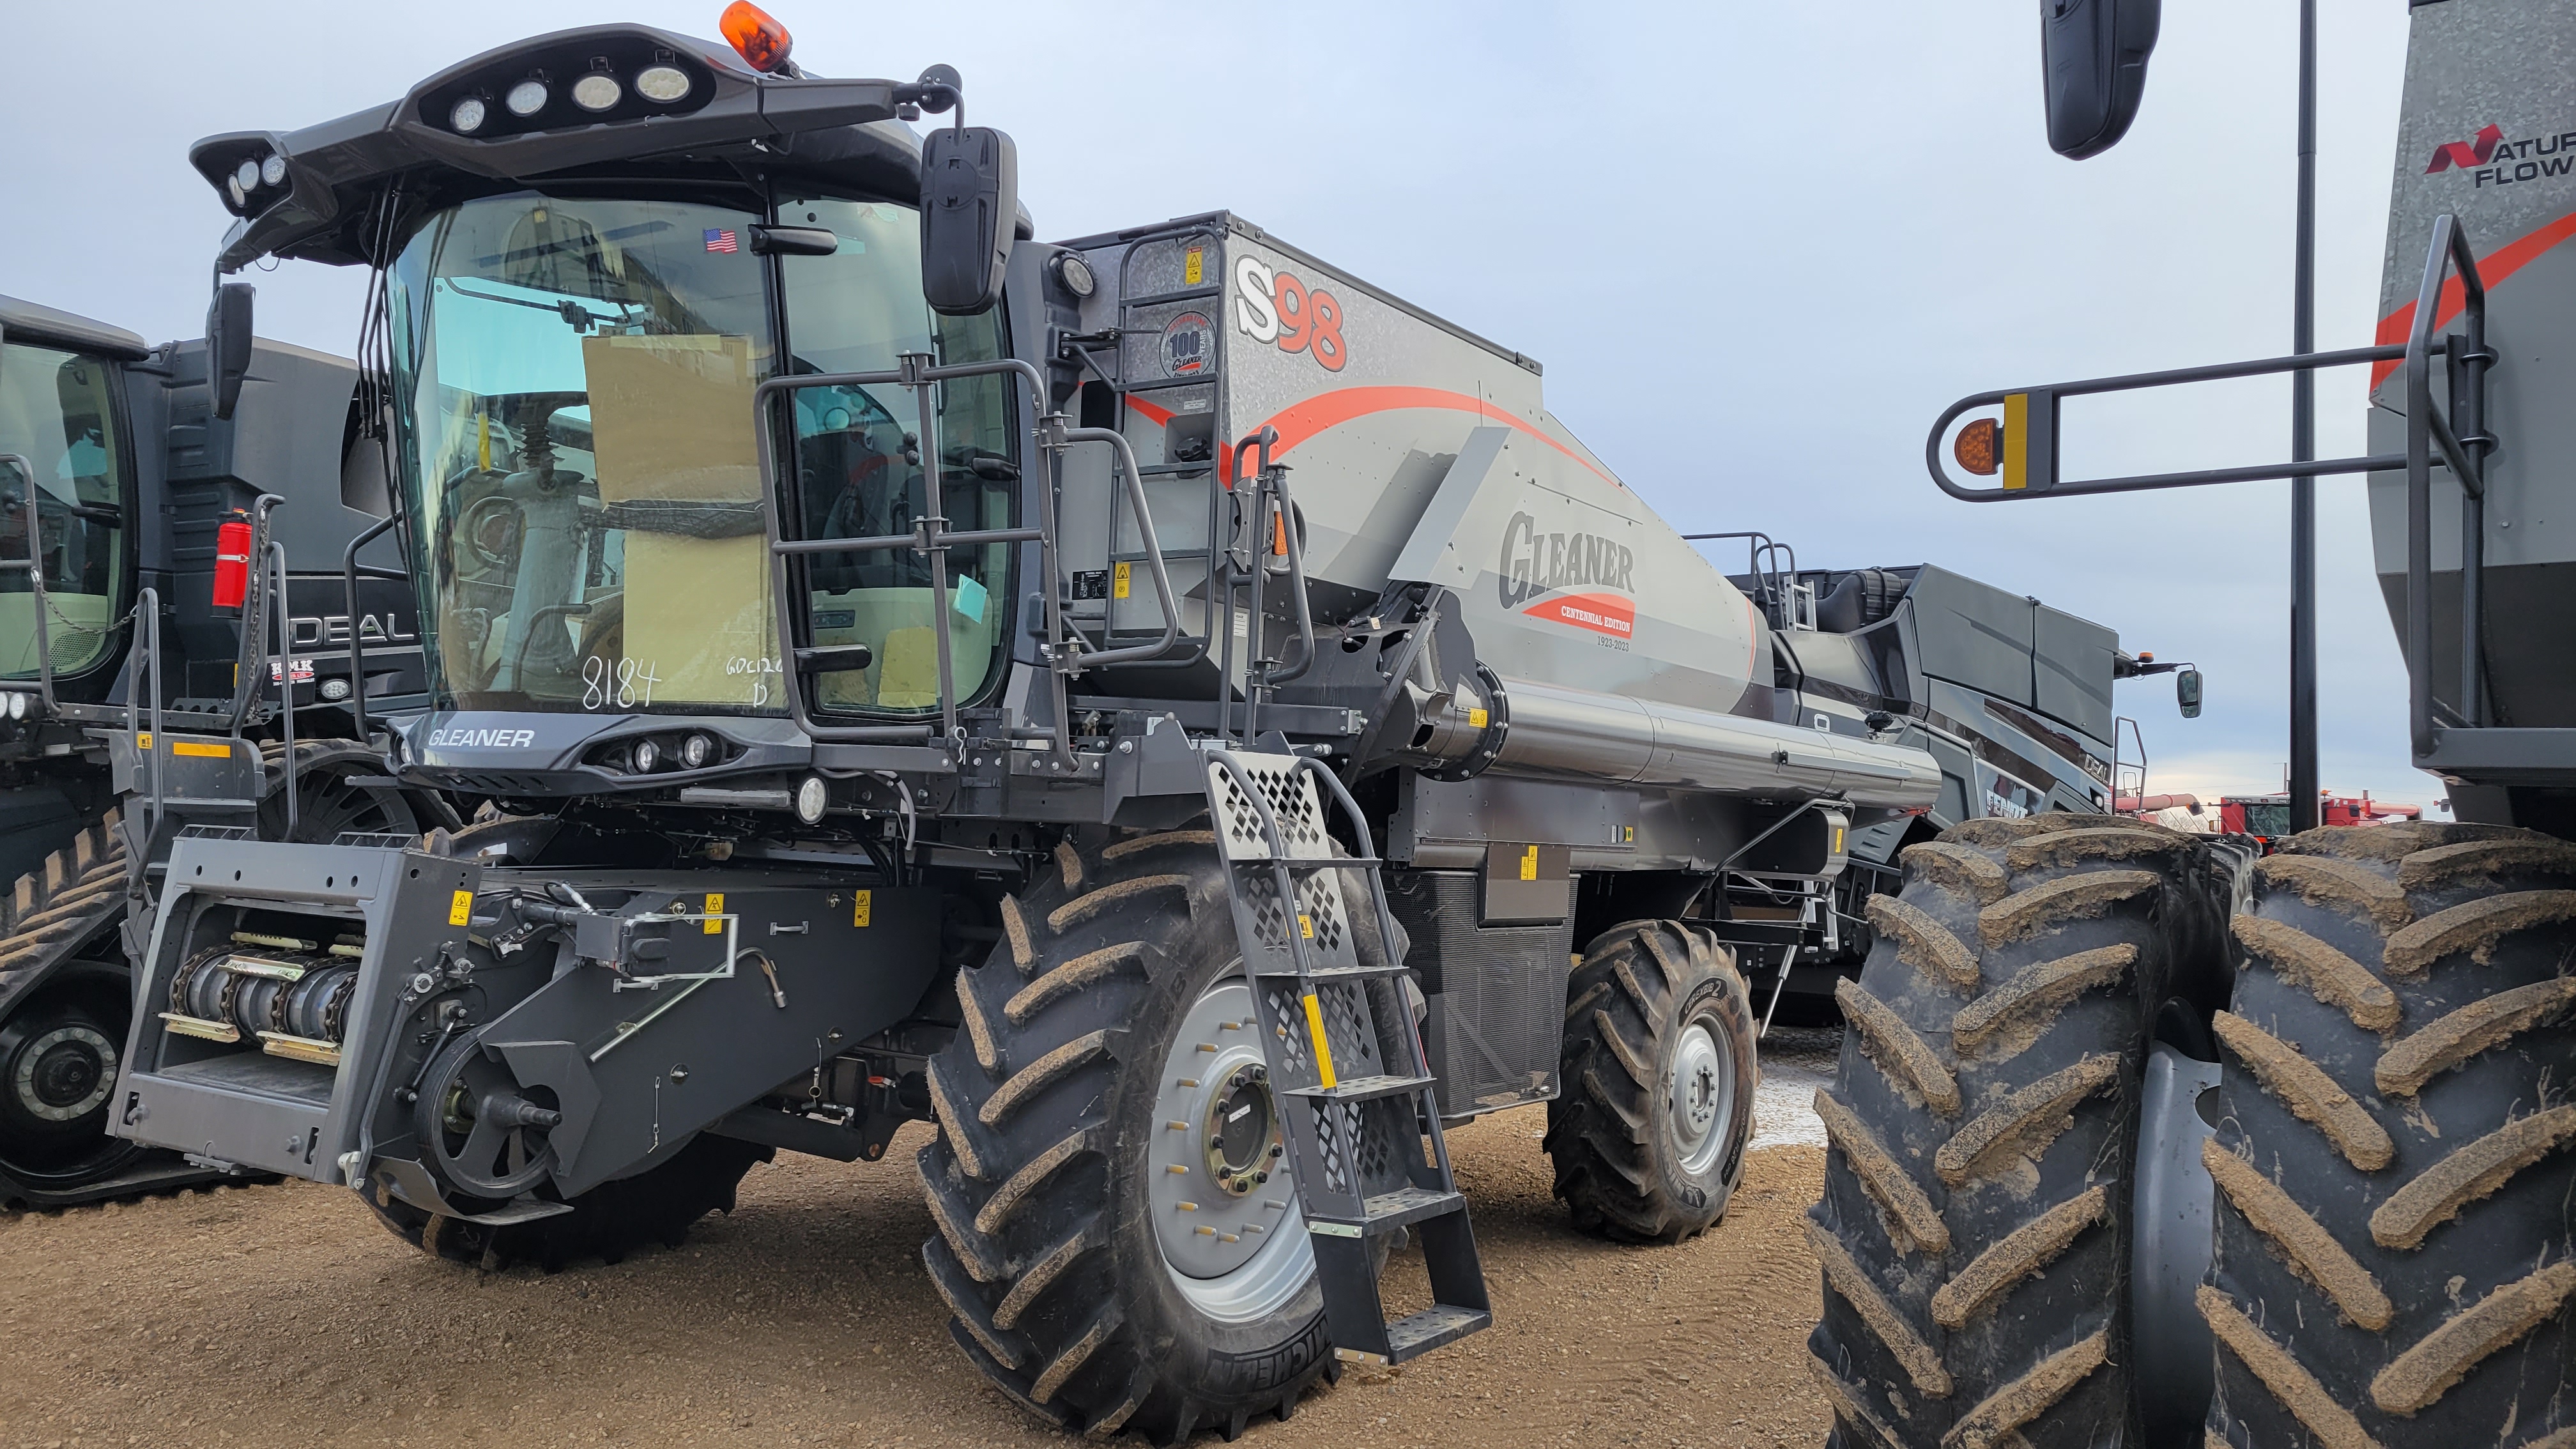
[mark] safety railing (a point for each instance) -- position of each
(33, 566)
(1772, 583)
(2024, 451)
(931, 537)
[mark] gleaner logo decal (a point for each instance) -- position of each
(2528, 159)
(1536, 564)
(465, 739)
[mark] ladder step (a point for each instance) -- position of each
(1362, 1089)
(1391, 1210)
(1436, 1327)
(1331, 973)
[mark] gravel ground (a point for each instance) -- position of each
(281, 1314)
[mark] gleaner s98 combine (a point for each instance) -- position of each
(2137, 1142)
(909, 686)
(119, 468)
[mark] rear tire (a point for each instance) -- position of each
(608, 1222)
(2396, 1190)
(1655, 1083)
(1975, 1224)
(1048, 1178)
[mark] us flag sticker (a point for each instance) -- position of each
(720, 239)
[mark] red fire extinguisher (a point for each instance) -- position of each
(232, 562)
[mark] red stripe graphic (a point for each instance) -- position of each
(1301, 421)
(2493, 268)
(1611, 614)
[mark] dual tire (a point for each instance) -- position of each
(2392, 1179)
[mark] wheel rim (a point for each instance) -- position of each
(65, 1074)
(1230, 1251)
(1702, 1119)
(58, 1069)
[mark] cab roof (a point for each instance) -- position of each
(730, 121)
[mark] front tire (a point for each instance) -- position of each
(1655, 1081)
(611, 1220)
(1061, 1185)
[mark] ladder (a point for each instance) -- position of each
(1346, 1061)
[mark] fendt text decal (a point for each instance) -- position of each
(1580, 579)
(2528, 159)
(1273, 306)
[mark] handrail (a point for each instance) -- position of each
(2465, 452)
(142, 659)
(931, 537)
(285, 627)
(2040, 406)
(2460, 437)
(1758, 547)
(34, 568)
(357, 647)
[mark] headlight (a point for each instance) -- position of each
(467, 118)
(335, 689)
(526, 98)
(246, 175)
(233, 189)
(811, 797)
(647, 755)
(696, 750)
(596, 92)
(273, 170)
(664, 83)
(1076, 275)
(17, 705)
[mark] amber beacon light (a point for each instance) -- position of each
(756, 36)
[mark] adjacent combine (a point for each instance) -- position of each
(2140, 1138)
(119, 472)
(1153, 704)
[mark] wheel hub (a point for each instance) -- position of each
(65, 1074)
(1223, 1201)
(1702, 1095)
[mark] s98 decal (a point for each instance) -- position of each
(1271, 305)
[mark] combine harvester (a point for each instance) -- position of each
(123, 476)
(906, 685)
(2032, 1232)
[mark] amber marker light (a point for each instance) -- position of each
(1980, 447)
(756, 36)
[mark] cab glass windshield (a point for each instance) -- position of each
(574, 381)
(56, 412)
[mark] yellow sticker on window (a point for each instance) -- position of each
(1194, 267)
(861, 905)
(1476, 719)
(1118, 582)
(460, 908)
(1529, 862)
(715, 905)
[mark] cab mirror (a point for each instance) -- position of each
(2187, 693)
(228, 338)
(2093, 59)
(970, 194)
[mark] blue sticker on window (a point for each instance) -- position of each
(967, 598)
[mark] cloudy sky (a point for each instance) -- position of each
(1758, 248)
